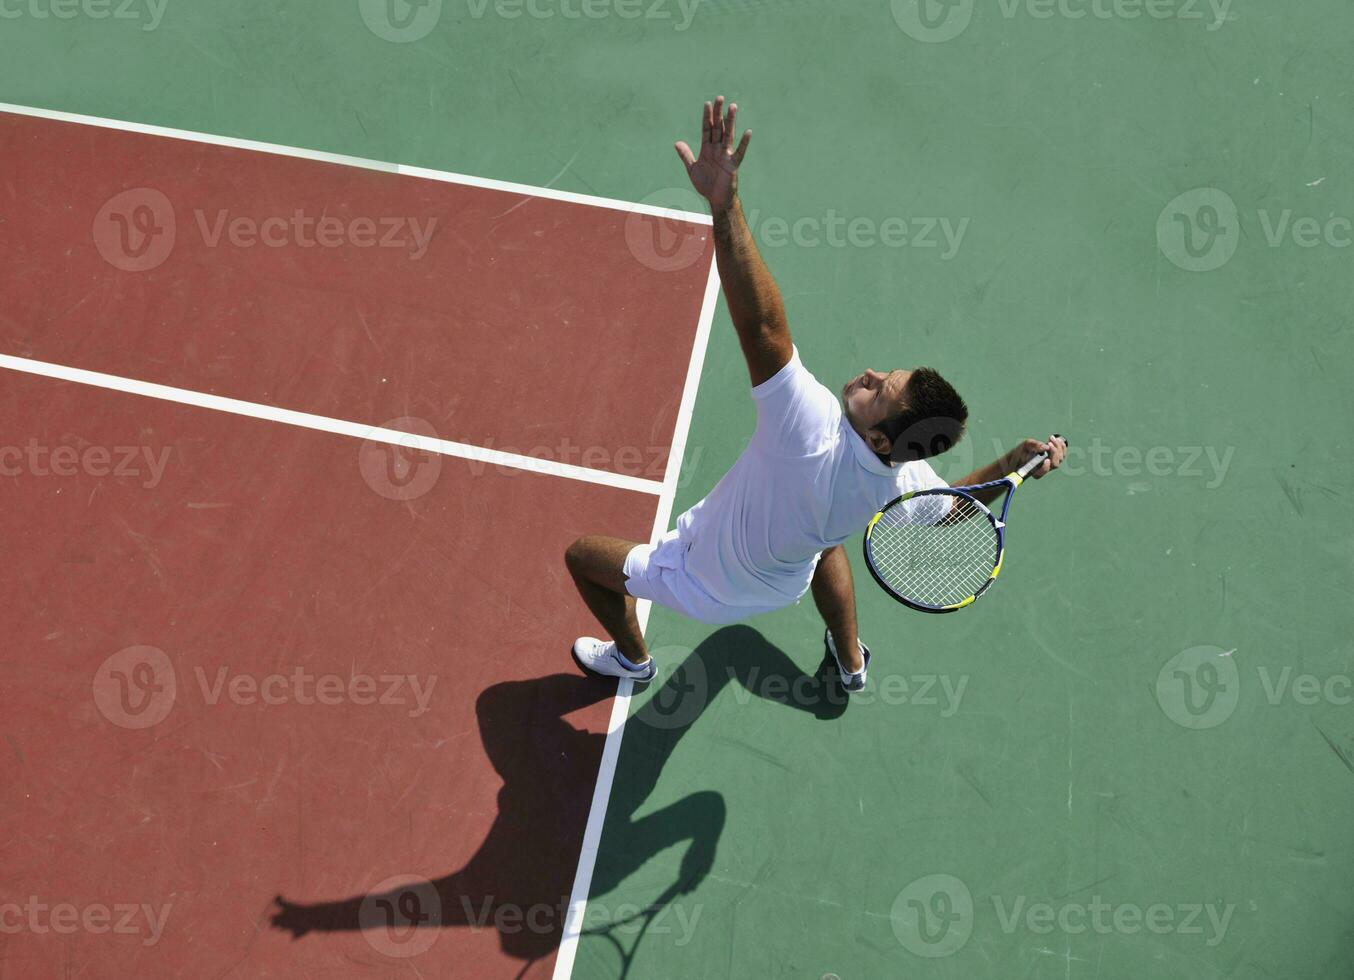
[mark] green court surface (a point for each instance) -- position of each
(1135, 757)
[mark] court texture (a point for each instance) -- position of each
(326, 325)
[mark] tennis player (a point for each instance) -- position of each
(817, 468)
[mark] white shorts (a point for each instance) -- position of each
(658, 573)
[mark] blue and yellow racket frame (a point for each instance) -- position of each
(1010, 481)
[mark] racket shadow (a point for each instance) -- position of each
(519, 880)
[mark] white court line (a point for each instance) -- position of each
(666, 491)
(620, 708)
(320, 423)
(321, 156)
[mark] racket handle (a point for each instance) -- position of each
(1034, 462)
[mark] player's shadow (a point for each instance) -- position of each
(519, 880)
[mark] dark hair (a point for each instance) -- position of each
(931, 421)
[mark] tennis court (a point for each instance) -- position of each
(327, 327)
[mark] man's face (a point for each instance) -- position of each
(871, 398)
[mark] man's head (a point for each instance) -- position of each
(905, 415)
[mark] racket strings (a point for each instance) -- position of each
(934, 562)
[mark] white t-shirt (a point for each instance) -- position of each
(805, 483)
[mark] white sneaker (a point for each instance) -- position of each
(599, 657)
(854, 683)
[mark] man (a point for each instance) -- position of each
(814, 473)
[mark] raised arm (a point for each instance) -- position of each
(753, 297)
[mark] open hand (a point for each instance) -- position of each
(290, 917)
(714, 174)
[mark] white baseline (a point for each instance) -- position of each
(322, 156)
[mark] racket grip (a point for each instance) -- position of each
(1034, 462)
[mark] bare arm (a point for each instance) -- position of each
(754, 300)
(1056, 447)
(753, 297)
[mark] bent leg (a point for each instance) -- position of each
(834, 593)
(597, 564)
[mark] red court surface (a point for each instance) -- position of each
(495, 317)
(262, 551)
(244, 659)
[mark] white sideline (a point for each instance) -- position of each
(620, 709)
(666, 491)
(320, 423)
(321, 156)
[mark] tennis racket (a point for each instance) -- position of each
(939, 550)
